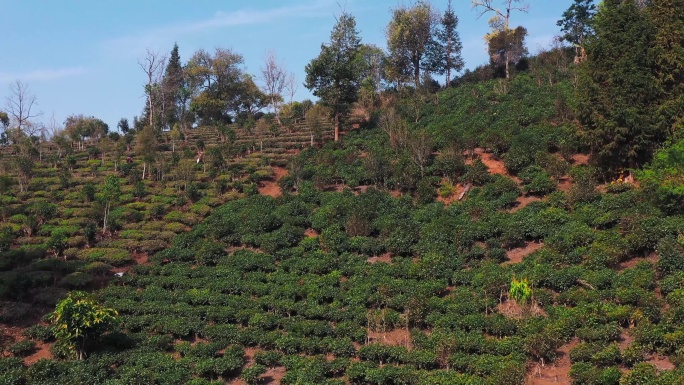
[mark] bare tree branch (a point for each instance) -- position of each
(274, 77)
(152, 64)
(20, 105)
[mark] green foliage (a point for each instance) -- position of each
(618, 89)
(78, 318)
(520, 291)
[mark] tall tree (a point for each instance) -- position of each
(444, 50)
(172, 85)
(152, 64)
(617, 87)
(335, 75)
(576, 25)
(408, 36)
(500, 24)
(506, 47)
(274, 77)
(80, 128)
(668, 55)
(214, 83)
(111, 191)
(21, 107)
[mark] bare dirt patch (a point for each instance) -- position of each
(273, 375)
(495, 166)
(42, 352)
(523, 201)
(556, 373)
(564, 184)
(458, 189)
(518, 254)
(397, 337)
(660, 362)
(384, 258)
(578, 159)
(511, 309)
(311, 233)
(270, 187)
(630, 263)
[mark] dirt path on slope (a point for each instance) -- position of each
(270, 187)
(556, 373)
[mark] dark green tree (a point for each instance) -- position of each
(335, 75)
(172, 87)
(408, 36)
(444, 50)
(668, 54)
(576, 25)
(617, 87)
(215, 83)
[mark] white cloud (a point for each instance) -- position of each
(42, 74)
(138, 43)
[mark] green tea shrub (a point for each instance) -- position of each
(114, 257)
(536, 181)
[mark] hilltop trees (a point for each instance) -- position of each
(668, 52)
(618, 88)
(576, 25)
(444, 50)
(152, 64)
(80, 128)
(275, 79)
(409, 34)
(220, 91)
(174, 90)
(505, 43)
(21, 108)
(334, 76)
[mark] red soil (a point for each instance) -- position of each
(495, 166)
(523, 201)
(311, 233)
(458, 188)
(14, 334)
(273, 375)
(511, 309)
(42, 352)
(384, 258)
(270, 187)
(397, 337)
(516, 255)
(555, 374)
(630, 263)
(578, 159)
(565, 184)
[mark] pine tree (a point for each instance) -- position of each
(444, 50)
(668, 54)
(172, 85)
(335, 75)
(617, 88)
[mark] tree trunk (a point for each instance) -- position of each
(337, 126)
(416, 72)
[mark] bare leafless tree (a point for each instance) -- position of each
(20, 106)
(274, 77)
(291, 85)
(153, 65)
(501, 18)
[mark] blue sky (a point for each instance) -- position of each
(80, 57)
